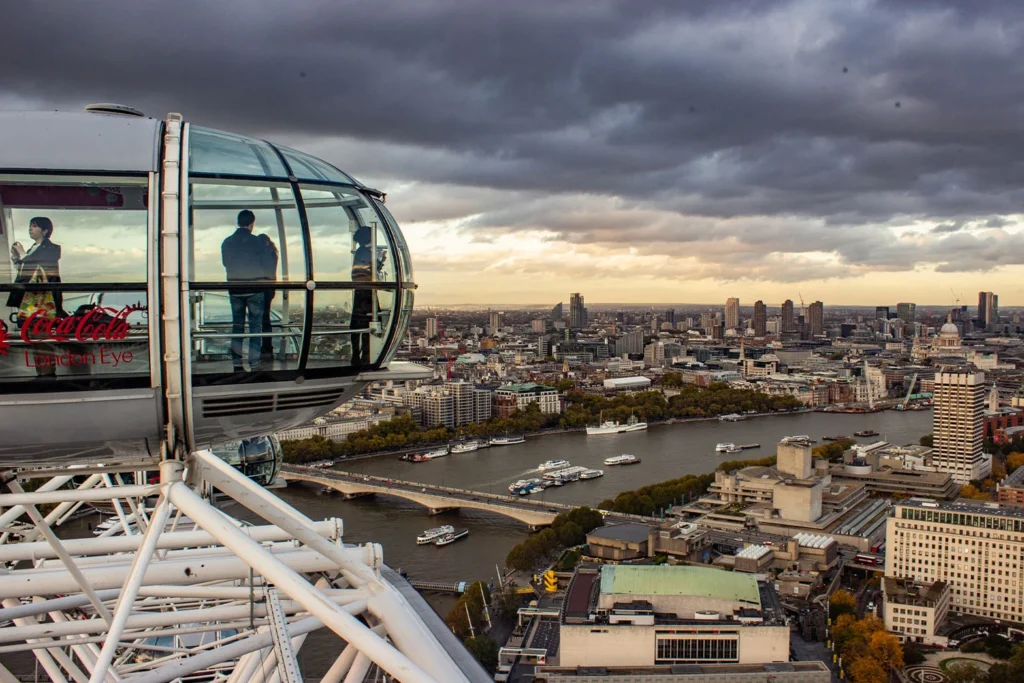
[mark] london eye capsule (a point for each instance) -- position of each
(161, 282)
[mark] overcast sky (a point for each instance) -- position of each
(636, 151)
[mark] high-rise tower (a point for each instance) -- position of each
(958, 424)
(577, 312)
(788, 320)
(760, 318)
(732, 313)
(816, 318)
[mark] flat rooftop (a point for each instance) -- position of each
(679, 580)
(962, 506)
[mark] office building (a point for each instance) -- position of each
(483, 408)
(988, 311)
(463, 402)
(631, 343)
(958, 424)
(539, 325)
(654, 355)
(433, 327)
(433, 407)
(495, 320)
(788, 320)
(907, 313)
(732, 313)
(577, 312)
(816, 319)
(760, 318)
(644, 616)
(881, 312)
(670, 316)
(914, 611)
(975, 547)
(557, 313)
(512, 397)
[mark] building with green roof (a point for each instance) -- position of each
(702, 583)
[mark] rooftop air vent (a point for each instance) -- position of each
(111, 108)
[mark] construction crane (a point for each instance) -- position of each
(910, 391)
(803, 307)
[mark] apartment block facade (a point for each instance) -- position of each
(977, 549)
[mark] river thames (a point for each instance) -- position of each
(667, 451)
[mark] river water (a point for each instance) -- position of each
(666, 451)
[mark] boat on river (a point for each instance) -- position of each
(429, 455)
(554, 465)
(591, 474)
(431, 535)
(866, 432)
(465, 447)
(452, 537)
(610, 427)
(507, 440)
(624, 459)
(732, 417)
(725, 447)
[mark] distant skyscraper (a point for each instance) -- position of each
(670, 316)
(539, 325)
(816, 318)
(760, 318)
(958, 424)
(881, 312)
(495, 320)
(988, 310)
(907, 313)
(557, 313)
(432, 327)
(732, 313)
(788, 320)
(577, 311)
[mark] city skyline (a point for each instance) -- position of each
(608, 149)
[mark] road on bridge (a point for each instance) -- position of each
(436, 498)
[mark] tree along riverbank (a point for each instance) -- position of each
(402, 435)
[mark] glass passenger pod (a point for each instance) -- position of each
(278, 322)
(258, 457)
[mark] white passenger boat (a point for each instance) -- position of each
(610, 427)
(465, 447)
(507, 440)
(725, 447)
(624, 459)
(431, 535)
(554, 465)
(732, 417)
(452, 537)
(591, 474)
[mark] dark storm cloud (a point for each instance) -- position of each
(823, 120)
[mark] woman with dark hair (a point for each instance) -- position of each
(39, 264)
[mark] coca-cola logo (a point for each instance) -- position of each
(97, 324)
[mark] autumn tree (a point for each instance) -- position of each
(886, 648)
(841, 602)
(1013, 461)
(867, 670)
(973, 492)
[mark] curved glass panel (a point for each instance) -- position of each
(306, 167)
(258, 458)
(402, 327)
(334, 215)
(216, 206)
(214, 151)
(400, 243)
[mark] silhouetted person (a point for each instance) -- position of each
(362, 299)
(245, 260)
(270, 257)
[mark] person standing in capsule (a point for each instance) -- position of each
(247, 259)
(39, 264)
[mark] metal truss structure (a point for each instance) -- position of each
(178, 590)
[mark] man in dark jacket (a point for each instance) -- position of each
(245, 259)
